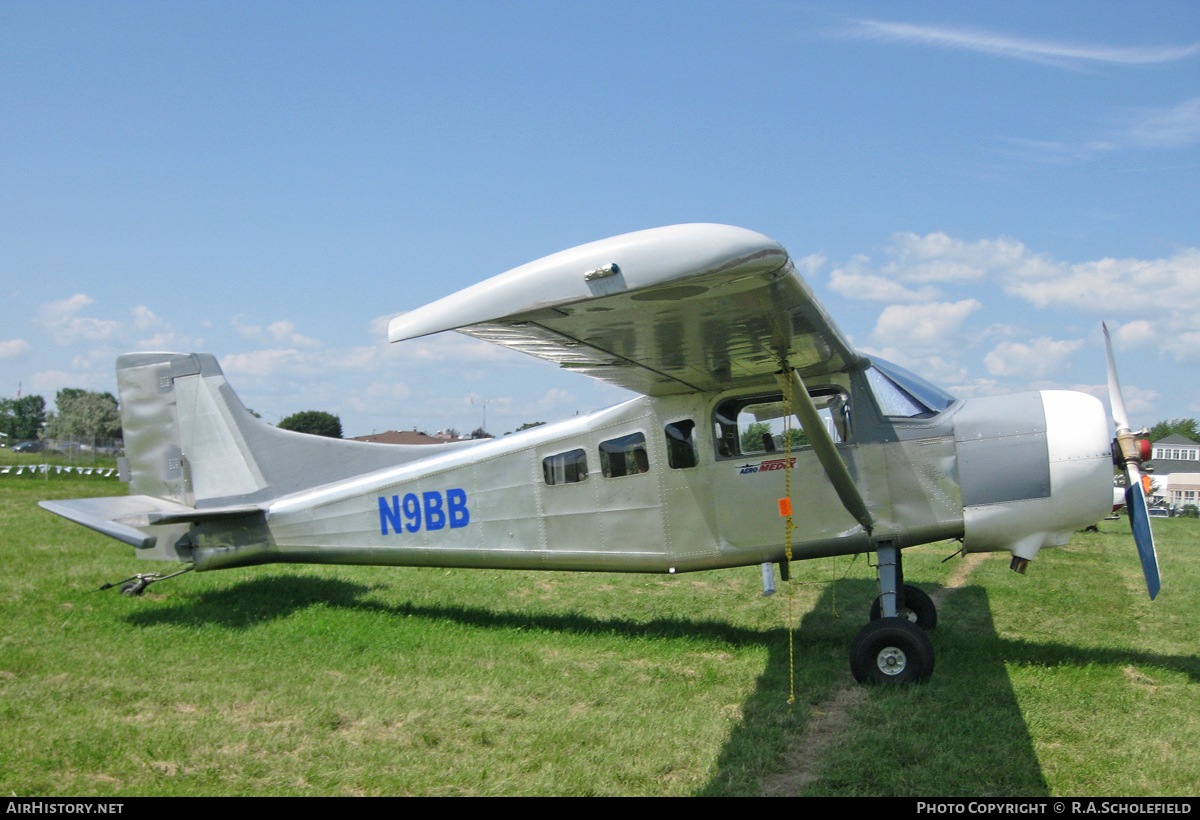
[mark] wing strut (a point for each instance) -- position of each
(822, 444)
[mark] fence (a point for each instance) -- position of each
(74, 451)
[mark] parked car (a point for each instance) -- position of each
(1159, 512)
(30, 447)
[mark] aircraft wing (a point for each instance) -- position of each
(679, 309)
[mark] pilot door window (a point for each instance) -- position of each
(565, 468)
(624, 456)
(681, 444)
(755, 425)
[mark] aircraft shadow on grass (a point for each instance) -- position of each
(943, 721)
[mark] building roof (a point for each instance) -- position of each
(402, 437)
(1176, 438)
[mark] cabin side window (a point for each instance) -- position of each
(624, 456)
(681, 444)
(754, 425)
(565, 468)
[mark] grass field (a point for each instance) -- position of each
(383, 681)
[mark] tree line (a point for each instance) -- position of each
(81, 412)
(77, 412)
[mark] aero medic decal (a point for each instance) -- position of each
(761, 467)
(428, 510)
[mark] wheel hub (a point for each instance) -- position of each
(891, 661)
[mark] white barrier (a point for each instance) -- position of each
(46, 469)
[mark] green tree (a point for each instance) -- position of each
(313, 422)
(527, 425)
(752, 437)
(22, 418)
(84, 413)
(1188, 428)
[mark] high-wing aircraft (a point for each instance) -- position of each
(760, 436)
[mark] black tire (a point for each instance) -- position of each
(891, 651)
(918, 608)
(133, 588)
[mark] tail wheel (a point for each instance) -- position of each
(918, 608)
(891, 651)
(133, 588)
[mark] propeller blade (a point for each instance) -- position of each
(1115, 399)
(1139, 519)
(1135, 495)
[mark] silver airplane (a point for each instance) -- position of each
(760, 436)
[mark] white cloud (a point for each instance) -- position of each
(262, 362)
(552, 402)
(167, 341)
(936, 257)
(1159, 299)
(1042, 357)
(923, 327)
(59, 318)
(1184, 346)
(809, 265)
(13, 348)
(285, 332)
(854, 282)
(1129, 287)
(280, 332)
(245, 330)
(145, 319)
(1135, 334)
(1048, 52)
(1139, 402)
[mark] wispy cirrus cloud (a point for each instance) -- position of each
(1049, 52)
(1173, 127)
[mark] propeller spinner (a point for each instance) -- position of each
(1129, 458)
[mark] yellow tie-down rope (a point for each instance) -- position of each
(785, 510)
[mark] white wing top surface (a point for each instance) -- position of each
(671, 310)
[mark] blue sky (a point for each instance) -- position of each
(970, 188)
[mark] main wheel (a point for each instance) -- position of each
(918, 608)
(891, 651)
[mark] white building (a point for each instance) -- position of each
(1177, 470)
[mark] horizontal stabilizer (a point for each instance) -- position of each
(120, 517)
(189, 515)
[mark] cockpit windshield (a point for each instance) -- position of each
(904, 394)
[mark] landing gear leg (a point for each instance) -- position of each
(918, 608)
(892, 649)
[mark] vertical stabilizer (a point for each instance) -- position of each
(189, 439)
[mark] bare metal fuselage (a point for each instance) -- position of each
(489, 505)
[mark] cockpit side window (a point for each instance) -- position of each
(754, 425)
